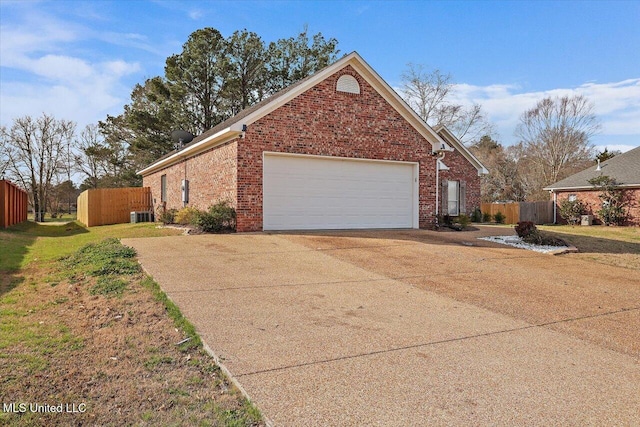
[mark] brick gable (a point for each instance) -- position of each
(319, 121)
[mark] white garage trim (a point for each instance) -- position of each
(304, 192)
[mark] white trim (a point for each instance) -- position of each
(361, 67)
(442, 166)
(328, 157)
(371, 77)
(219, 138)
(416, 175)
(462, 149)
(591, 187)
(348, 84)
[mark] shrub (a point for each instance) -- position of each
(445, 220)
(476, 216)
(538, 238)
(499, 217)
(458, 223)
(529, 233)
(167, 216)
(570, 211)
(610, 214)
(486, 217)
(218, 218)
(187, 216)
(525, 228)
(616, 201)
(463, 221)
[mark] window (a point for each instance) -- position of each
(163, 188)
(453, 198)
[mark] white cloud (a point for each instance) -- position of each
(59, 68)
(195, 14)
(617, 104)
(71, 89)
(43, 71)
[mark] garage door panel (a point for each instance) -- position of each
(303, 192)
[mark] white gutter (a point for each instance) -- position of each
(220, 137)
(555, 206)
(591, 187)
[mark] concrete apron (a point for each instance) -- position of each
(318, 341)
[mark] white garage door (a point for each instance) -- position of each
(314, 192)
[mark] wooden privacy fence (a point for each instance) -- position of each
(536, 212)
(102, 206)
(13, 204)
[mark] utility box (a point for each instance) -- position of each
(141, 217)
(185, 191)
(586, 220)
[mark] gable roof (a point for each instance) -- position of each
(454, 142)
(234, 126)
(625, 168)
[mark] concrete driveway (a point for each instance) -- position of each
(409, 327)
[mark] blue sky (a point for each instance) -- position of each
(79, 60)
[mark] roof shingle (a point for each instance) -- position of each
(625, 168)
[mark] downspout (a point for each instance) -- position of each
(555, 207)
(439, 158)
(184, 204)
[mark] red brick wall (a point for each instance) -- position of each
(211, 175)
(591, 199)
(320, 121)
(461, 170)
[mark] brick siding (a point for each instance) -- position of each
(319, 121)
(212, 178)
(594, 204)
(461, 170)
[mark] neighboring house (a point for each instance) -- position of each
(337, 150)
(624, 168)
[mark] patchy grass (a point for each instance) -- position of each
(81, 324)
(623, 234)
(619, 246)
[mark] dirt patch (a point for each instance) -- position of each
(112, 360)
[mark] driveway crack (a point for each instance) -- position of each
(432, 343)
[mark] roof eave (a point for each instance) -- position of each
(372, 78)
(218, 138)
(586, 187)
(360, 65)
(455, 142)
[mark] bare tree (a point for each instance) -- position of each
(555, 137)
(426, 91)
(91, 157)
(503, 181)
(35, 150)
(429, 93)
(4, 153)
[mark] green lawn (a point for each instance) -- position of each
(30, 241)
(81, 323)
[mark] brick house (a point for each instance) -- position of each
(625, 168)
(337, 150)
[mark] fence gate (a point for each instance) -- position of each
(536, 212)
(104, 206)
